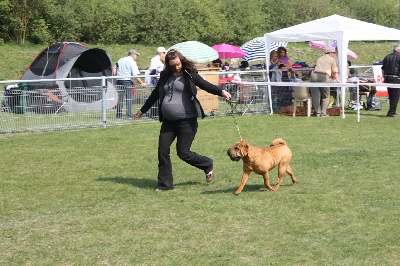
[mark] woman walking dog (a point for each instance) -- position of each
(178, 112)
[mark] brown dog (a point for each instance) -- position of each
(261, 161)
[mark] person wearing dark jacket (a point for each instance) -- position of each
(391, 74)
(178, 112)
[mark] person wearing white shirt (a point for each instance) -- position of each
(125, 68)
(147, 79)
(156, 65)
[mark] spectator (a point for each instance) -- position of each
(234, 64)
(276, 73)
(225, 67)
(124, 68)
(156, 64)
(391, 74)
(284, 60)
(154, 109)
(334, 95)
(217, 63)
(147, 79)
(325, 69)
(284, 93)
(273, 60)
(243, 65)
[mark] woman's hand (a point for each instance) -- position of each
(138, 115)
(226, 94)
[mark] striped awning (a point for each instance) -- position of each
(255, 48)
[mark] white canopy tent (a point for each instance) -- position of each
(329, 29)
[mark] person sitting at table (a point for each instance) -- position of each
(276, 73)
(287, 74)
(284, 60)
(273, 60)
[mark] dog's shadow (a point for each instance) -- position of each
(249, 188)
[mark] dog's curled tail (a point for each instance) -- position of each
(278, 142)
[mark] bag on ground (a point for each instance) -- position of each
(372, 103)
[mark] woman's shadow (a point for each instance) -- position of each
(143, 183)
(132, 181)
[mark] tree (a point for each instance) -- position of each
(5, 20)
(65, 20)
(380, 12)
(244, 20)
(170, 21)
(21, 19)
(107, 22)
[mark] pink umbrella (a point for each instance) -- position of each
(228, 51)
(320, 45)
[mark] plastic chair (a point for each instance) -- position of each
(363, 90)
(302, 94)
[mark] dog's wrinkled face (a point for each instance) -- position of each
(238, 151)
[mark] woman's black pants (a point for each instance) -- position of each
(184, 131)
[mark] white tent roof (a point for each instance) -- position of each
(333, 28)
(329, 29)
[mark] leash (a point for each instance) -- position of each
(233, 108)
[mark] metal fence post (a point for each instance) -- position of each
(103, 100)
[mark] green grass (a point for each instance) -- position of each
(87, 197)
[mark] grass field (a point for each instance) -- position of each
(87, 197)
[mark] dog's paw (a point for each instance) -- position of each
(237, 193)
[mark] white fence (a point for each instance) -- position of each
(30, 106)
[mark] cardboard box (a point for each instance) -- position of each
(208, 101)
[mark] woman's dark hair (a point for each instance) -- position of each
(171, 55)
(282, 49)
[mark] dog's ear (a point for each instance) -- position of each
(244, 148)
(245, 145)
(243, 142)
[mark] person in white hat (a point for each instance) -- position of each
(325, 69)
(156, 65)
